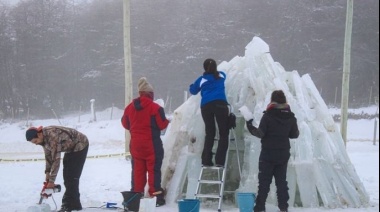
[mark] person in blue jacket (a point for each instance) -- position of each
(214, 106)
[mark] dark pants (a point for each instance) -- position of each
(72, 169)
(216, 110)
(273, 163)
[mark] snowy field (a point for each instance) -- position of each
(107, 173)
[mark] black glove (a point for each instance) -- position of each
(249, 123)
(231, 121)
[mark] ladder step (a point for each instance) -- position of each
(213, 167)
(214, 196)
(230, 192)
(210, 181)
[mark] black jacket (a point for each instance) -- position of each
(275, 129)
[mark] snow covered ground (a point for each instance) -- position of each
(107, 173)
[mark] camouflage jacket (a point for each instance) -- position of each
(57, 139)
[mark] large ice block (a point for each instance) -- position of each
(319, 170)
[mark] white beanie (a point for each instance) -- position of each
(144, 86)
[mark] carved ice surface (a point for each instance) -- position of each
(320, 172)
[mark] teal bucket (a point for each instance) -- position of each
(189, 205)
(246, 201)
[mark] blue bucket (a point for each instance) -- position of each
(246, 201)
(189, 205)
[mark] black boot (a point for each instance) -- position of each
(160, 201)
(69, 208)
(64, 209)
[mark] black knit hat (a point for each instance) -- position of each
(278, 96)
(32, 133)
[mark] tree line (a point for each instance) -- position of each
(59, 54)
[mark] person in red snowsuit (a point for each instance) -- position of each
(145, 119)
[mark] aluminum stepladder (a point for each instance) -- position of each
(221, 171)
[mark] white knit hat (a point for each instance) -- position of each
(144, 86)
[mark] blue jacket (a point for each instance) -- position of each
(211, 89)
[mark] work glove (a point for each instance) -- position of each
(50, 185)
(231, 122)
(249, 123)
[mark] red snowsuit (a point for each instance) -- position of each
(145, 119)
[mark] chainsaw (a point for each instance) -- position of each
(47, 192)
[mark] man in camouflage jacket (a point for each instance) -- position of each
(57, 139)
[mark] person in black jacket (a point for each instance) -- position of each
(277, 125)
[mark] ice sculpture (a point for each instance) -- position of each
(319, 173)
